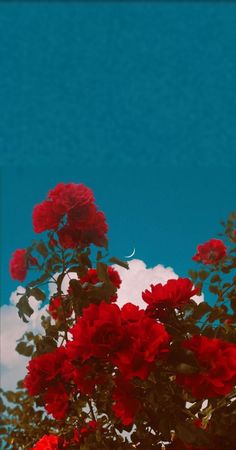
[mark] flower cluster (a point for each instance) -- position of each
(172, 295)
(105, 334)
(70, 210)
(212, 252)
(217, 367)
(20, 263)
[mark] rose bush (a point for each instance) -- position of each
(108, 377)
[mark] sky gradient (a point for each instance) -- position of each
(135, 100)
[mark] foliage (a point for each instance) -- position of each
(97, 371)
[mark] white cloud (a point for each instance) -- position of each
(134, 281)
(13, 365)
(139, 277)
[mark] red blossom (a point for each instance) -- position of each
(97, 333)
(45, 217)
(66, 197)
(56, 400)
(126, 404)
(19, 264)
(149, 341)
(47, 442)
(173, 294)
(217, 367)
(212, 252)
(127, 337)
(43, 369)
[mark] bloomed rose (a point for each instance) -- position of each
(19, 264)
(148, 342)
(43, 369)
(127, 337)
(173, 294)
(217, 367)
(212, 252)
(99, 333)
(126, 404)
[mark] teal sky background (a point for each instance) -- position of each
(137, 101)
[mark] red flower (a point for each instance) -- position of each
(84, 225)
(73, 199)
(217, 367)
(20, 263)
(43, 369)
(126, 404)
(45, 217)
(83, 235)
(68, 237)
(66, 197)
(87, 377)
(127, 337)
(97, 333)
(56, 309)
(174, 294)
(149, 340)
(56, 400)
(95, 231)
(47, 442)
(212, 252)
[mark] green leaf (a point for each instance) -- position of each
(214, 289)
(193, 274)
(203, 274)
(23, 349)
(24, 307)
(215, 278)
(38, 294)
(202, 309)
(42, 249)
(118, 261)
(102, 272)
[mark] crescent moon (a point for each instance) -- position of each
(132, 254)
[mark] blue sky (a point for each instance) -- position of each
(135, 100)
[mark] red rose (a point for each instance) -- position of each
(127, 337)
(19, 264)
(45, 217)
(95, 231)
(86, 377)
(217, 367)
(66, 197)
(212, 252)
(97, 333)
(56, 400)
(68, 237)
(73, 199)
(173, 294)
(126, 404)
(43, 369)
(149, 340)
(47, 442)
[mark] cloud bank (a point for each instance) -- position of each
(134, 281)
